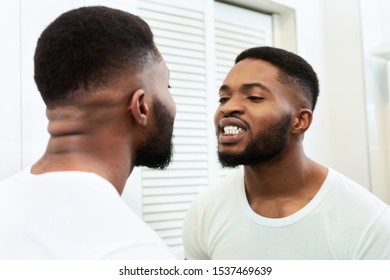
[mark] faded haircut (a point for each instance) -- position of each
(293, 70)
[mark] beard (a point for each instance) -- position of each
(262, 148)
(157, 148)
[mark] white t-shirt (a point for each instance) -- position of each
(343, 221)
(71, 215)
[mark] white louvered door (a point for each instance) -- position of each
(182, 30)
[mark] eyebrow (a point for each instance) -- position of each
(224, 88)
(245, 87)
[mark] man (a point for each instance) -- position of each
(105, 86)
(281, 205)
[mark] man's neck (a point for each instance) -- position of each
(91, 136)
(88, 153)
(279, 189)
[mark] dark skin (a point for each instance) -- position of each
(101, 132)
(255, 99)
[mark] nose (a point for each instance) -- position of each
(232, 106)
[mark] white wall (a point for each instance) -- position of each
(10, 119)
(345, 83)
(376, 54)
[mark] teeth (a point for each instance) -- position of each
(231, 130)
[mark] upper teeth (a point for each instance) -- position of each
(232, 130)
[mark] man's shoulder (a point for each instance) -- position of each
(353, 195)
(9, 184)
(345, 184)
(228, 183)
(221, 193)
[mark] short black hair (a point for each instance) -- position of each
(87, 48)
(293, 69)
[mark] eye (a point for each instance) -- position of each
(169, 86)
(223, 100)
(255, 99)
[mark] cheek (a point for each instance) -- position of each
(261, 120)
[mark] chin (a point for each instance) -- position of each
(233, 151)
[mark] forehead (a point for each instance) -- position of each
(252, 70)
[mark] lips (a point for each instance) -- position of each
(230, 130)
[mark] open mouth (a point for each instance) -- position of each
(231, 130)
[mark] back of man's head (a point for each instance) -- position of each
(86, 49)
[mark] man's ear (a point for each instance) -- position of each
(302, 121)
(138, 107)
